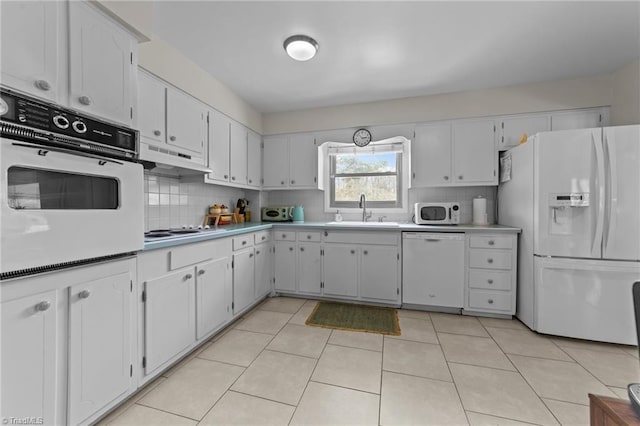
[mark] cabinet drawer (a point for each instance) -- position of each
(280, 235)
(262, 237)
(490, 300)
(490, 259)
(346, 237)
(490, 280)
(490, 241)
(189, 254)
(242, 241)
(311, 236)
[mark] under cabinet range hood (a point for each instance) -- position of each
(166, 158)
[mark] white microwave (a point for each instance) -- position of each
(437, 213)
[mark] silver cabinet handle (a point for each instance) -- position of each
(226, 176)
(292, 181)
(257, 252)
(308, 237)
(250, 255)
(365, 252)
(460, 177)
(157, 132)
(491, 242)
(188, 277)
(490, 281)
(43, 306)
(489, 260)
(250, 181)
(84, 294)
(263, 238)
(290, 248)
(233, 178)
(490, 301)
(353, 252)
(432, 240)
(301, 248)
(172, 138)
(244, 242)
(282, 182)
(201, 272)
(446, 178)
(284, 235)
(85, 100)
(43, 85)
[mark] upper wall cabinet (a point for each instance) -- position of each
(459, 154)
(30, 37)
(219, 129)
(290, 162)
(99, 77)
(170, 118)
(581, 119)
(512, 128)
(102, 64)
(254, 159)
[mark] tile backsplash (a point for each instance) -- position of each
(171, 202)
(313, 202)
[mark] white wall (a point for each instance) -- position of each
(625, 83)
(546, 96)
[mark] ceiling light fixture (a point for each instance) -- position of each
(301, 47)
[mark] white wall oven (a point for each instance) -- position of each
(70, 189)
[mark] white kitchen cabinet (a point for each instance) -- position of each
(254, 159)
(171, 119)
(101, 343)
(431, 156)
(475, 161)
(433, 269)
(219, 129)
(285, 266)
(169, 316)
(29, 357)
(263, 274)
(102, 64)
(580, 119)
(290, 162)
(238, 152)
(340, 270)
(186, 122)
(309, 268)
(512, 128)
(30, 37)
(213, 295)
(379, 270)
(243, 279)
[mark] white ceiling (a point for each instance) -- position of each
(393, 49)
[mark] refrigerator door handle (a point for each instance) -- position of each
(596, 245)
(612, 199)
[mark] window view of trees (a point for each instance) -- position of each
(375, 175)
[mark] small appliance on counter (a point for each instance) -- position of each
(437, 213)
(298, 214)
(277, 214)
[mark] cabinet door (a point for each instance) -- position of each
(29, 360)
(29, 36)
(151, 107)
(263, 273)
(513, 128)
(238, 148)
(185, 121)
(431, 156)
(340, 269)
(285, 266)
(213, 296)
(254, 159)
(170, 317)
(100, 344)
(309, 268)
(303, 161)
(474, 154)
(219, 146)
(243, 276)
(275, 166)
(379, 269)
(576, 119)
(101, 58)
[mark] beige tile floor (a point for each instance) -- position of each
(271, 369)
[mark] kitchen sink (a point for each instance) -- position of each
(365, 224)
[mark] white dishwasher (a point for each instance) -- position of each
(433, 269)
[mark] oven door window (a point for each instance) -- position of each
(36, 189)
(433, 213)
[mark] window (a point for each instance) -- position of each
(380, 171)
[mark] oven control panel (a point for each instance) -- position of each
(54, 120)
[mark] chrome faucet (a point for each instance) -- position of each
(363, 206)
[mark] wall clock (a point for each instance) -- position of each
(362, 137)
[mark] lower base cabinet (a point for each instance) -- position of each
(243, 279)
(379, 270)
(263, 276)
(213, 292)
(340, 277)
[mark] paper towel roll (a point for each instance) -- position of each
(480, 210)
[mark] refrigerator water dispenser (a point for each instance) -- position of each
(563, 211)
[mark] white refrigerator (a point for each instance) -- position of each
(576, 196)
